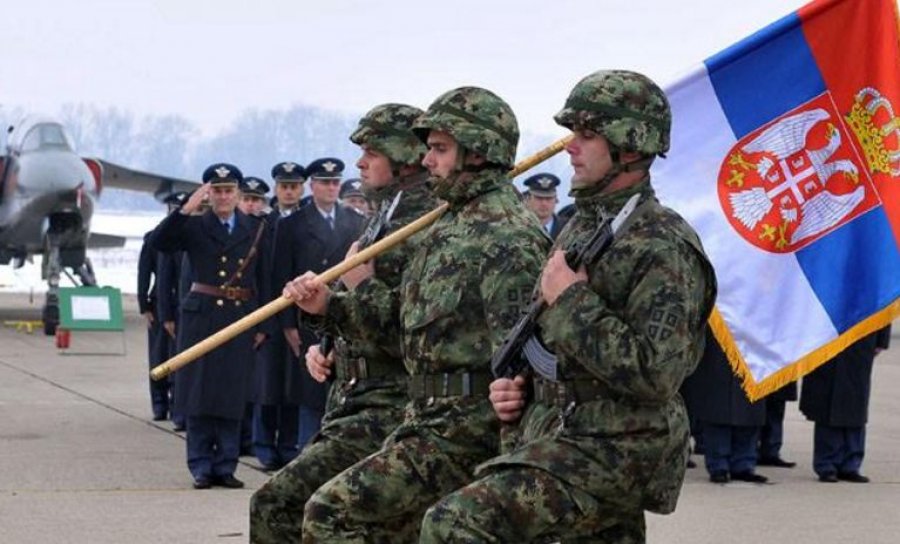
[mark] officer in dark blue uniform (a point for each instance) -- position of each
(289, 180)
(253, 202)
(541, 199)
(147, 289)
(352, 195)
(836, 397)
(730, 422)
(275, 420)
(225, 249)
(168, 268)
(315, 238)
(253, 197)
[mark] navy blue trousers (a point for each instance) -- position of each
(838, 449)
(213, 446)
(771, 436)
(729, 448)
(310, 423)
(157, 353)
(275, 432)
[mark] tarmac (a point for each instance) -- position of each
(81, 461)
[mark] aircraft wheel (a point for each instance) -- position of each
(50, 316)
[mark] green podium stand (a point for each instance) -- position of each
(90, 309)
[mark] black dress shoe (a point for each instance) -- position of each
(749, 476)
(202, 483)
(828, 477)
(228, 481)
(854, 477)
(691, 463)
(719, 477)
(775, 462)
(178, 428)
(272, 467)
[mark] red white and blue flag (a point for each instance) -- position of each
(786, 159)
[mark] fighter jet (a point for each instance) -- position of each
(47, 198)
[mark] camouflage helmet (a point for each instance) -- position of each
(627, 108)
(388, 129)
(477, 119)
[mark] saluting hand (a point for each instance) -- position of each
(508, 398)
(557, 277)
(308, 292)
(319, 366)
(359, 274)
(196, 200)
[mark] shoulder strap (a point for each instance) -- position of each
(251, 253)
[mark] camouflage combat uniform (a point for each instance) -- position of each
(366, 400)
(463, 290)
(608, 439)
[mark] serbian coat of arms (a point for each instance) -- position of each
(800, 176)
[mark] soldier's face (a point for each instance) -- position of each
(251, 204)
(542, 206)
(442, 153)
(288, 193)
(374, 168)
(223, 199)
(325, 191)
(589, 156)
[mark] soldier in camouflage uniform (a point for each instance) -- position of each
(367, 397)
(463, 290)
(608, 438)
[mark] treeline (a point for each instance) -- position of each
(254, 141)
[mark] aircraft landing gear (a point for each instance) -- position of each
(85, 273)
(51, 271)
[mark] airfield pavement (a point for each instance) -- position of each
(81, 462)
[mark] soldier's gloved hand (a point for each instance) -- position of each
(150, 319)
(309, 293)
(359, 274)
(319, 367)
(508, 398)
(557, 276)
(170, 328)
(293, 339)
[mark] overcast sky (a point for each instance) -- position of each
(210, 59)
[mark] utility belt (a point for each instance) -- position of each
(352, 369)
(563, 394)
(458, 384)
(230, 293)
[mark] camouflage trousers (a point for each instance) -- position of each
(526, 504)
(383, 497)
(276, 509)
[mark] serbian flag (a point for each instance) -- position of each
(785, 158)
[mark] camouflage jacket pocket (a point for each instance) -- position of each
(437, 300)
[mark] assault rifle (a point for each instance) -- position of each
(522, 346)
(373, 233)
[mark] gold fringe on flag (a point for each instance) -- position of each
(806, 364)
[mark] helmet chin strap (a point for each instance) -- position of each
(618, 167)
